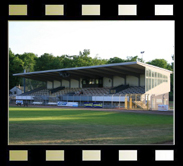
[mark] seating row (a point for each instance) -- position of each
(90, 91)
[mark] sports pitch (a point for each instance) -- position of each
(29, 125)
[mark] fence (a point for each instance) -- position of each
(128, 101)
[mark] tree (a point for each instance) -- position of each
(115, 60)
(29, 60)
(159, 62)
(83, 59)
(44, 62)
(15, 66)
(129, 59)
(85, 52)
(67, 61)
(98, 61)
(134, 58)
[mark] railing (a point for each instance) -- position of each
(118, 89)
(57, 89)
(128, 101)
(76, 98)
(33, 91)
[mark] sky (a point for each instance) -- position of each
(104, 39)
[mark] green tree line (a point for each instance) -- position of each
(31, 62)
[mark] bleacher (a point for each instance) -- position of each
(132, 90)
(93, 91)
(106, 91)
(118, 88)
(96, 91)
(66, 91)
(42, 92)
(33, 91)
(57, 89)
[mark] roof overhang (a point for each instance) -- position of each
(108, 70)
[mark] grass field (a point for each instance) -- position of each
(71, 126)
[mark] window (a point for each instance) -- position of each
(84, 81)
(153, 80)
(166, 79)
(156, 82)
(97, 81)
(92, 81)
(149, 73)
(156, 74)
(149, 83)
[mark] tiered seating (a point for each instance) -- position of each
(133, 90)
(94, 91)
(33, 91)
(41, 92)
(65, 91)
(118, 88)
(57, 89)
(46, 92)
(89, 91)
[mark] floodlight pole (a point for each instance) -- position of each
(142, 54)
(24, 80)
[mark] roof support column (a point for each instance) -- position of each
(112, 81)
(139, 80)
(125, 80)
(79, 82)
(24, 80)
(69, 83)
(53, 84)
(61, 83)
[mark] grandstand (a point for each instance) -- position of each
(104, 83)
(133, 90)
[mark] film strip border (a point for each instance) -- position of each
(91, 10)
(77, 154)
(90, 155)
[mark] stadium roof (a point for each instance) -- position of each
(108, 70)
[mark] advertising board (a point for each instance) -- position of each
(162, 107)
(93, 105)
(68, 104)
(19, 101)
